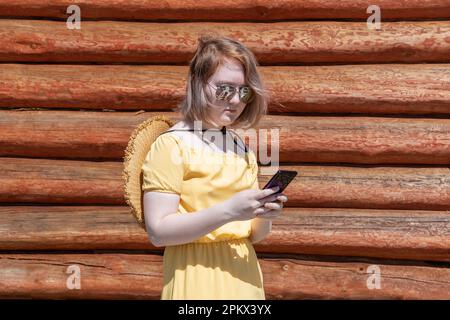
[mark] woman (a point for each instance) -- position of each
(201, 199)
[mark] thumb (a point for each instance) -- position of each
(267, 192)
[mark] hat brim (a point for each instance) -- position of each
(138, 146)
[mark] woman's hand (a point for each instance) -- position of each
(247, 204)
(270, 209)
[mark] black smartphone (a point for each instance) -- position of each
(282, 178)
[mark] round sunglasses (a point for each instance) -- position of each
(226, 92)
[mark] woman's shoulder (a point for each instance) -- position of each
(178, 130)
(167, 139)
(184, 135)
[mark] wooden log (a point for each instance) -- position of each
(227, 9)
(104, 136)
(139, 276)
(103, 276)
(369, 89)
(66, 181)
(274, 43)
(397, 234)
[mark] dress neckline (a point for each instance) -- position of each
(205, 149)
(224, 132)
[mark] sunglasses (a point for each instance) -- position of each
(226, 92)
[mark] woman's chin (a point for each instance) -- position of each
(227, 121)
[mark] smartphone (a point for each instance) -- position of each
(282, 178)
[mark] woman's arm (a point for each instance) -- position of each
(166, 226)
(260, 229)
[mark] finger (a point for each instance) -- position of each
(261, 211)
(273, 205)
(267, 192)
(282, 198)
(270, 198)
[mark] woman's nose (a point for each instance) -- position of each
(235, 99)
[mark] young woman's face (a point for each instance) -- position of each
(224, 113)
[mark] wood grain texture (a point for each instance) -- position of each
(272, 43)
(386, 194)
(358, 140)
(397, 234)
(139, 276)
(363, 89)
(72, 182)
(227, 9)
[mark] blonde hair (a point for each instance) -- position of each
(210, 54)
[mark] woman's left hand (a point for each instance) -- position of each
(272, 209)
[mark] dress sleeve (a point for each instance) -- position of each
(163, 167)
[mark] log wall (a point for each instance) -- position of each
(364, 117)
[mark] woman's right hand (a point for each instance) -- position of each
(243, 205)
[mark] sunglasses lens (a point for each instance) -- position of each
(246, 94)
(225, 92)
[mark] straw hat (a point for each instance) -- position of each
(138, 146)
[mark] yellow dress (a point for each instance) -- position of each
(222, 264)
